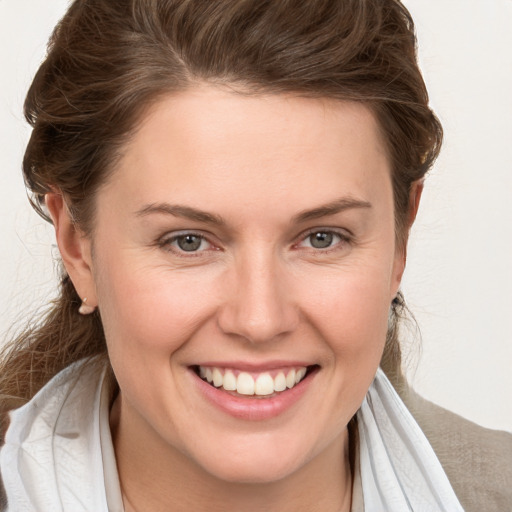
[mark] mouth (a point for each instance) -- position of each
(256, 385)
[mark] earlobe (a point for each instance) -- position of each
(74, 247)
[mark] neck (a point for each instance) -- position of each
(155, 476)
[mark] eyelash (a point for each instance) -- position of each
(344, 238)
(167, 242)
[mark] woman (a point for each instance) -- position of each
(232, 185)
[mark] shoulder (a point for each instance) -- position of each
(58, 421)
(477, 460)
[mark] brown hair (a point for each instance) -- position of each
(108, 61)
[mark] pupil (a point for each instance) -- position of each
(321, 240)
(189, 242)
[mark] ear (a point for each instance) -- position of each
(401, 255)
(74, 247)
(414, 202)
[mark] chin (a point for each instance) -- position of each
(248, 472)
(260, 459)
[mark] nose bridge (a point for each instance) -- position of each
(259, 306)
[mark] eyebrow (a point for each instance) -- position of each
(187, 212)
(177, 210)
(332, 208)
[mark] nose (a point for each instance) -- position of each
(259, 305)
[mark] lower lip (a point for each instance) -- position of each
(253, 408)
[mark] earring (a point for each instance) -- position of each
(85, 309)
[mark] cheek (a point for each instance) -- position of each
(149, 315)
(149, 308)
(351, 305)
(350, 312)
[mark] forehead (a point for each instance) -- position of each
(217, 143)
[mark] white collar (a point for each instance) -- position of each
(399, 469)
(58, 454)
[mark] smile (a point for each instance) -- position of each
(250, 392)
(262, 384)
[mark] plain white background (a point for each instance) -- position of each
(459, 277)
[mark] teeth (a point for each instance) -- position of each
(290, 379)
(244, 383)
(264, 384)
(280, 382)
(229, 381)
(218, 379)
(300, 375)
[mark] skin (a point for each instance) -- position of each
(257, 290)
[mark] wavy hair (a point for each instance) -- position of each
(107, 62)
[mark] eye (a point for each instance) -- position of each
(323, 239)
(186, 243)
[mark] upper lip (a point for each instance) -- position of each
(255, 366)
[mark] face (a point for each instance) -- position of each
(248, 241)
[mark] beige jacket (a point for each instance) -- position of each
(478, 461)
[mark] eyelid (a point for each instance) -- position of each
(169, 238)
(345, 235)
(165, 242)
